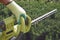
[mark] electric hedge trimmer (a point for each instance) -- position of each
(20, 19)
(34, 22)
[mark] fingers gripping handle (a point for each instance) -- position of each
(22, 27)
(25, 27)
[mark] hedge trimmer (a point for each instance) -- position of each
(14, 27)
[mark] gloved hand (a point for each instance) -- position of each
(16, 9)
(5, 2)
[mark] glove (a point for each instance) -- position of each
(17, 10)
(5, 2)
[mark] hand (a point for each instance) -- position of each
(5, 2)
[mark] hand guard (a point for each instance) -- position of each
(25, 24)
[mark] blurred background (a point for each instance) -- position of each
(47, 29)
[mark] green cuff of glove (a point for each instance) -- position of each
(22, 15)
